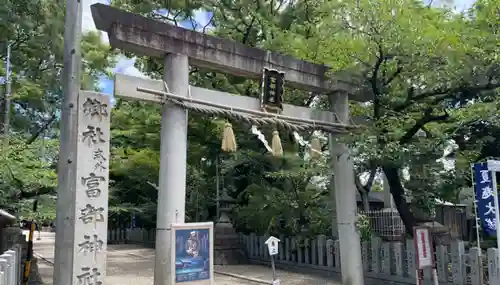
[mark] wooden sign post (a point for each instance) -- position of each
(272, 246)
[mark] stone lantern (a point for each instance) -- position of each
(227, 244)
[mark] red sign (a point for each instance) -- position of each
(424, 244)
(423, 247)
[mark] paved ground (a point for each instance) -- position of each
(133, 265)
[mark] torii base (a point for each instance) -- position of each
(227, 245)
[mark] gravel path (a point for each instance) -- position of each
(133, 265)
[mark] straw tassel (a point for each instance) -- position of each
(228, 139)
(276, 144)
(315, 147)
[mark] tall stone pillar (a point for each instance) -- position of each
(345, 200)
(173, 153)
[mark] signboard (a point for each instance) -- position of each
(485, 203)
(91, 197)
(272, 245)
(494, 167)
(423, 247)
(271, 98)
(192, 255)
(133, 223)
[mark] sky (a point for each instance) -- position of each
(463, 4)
(126, 65)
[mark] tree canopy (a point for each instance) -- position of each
(34, 29)
(432, 73)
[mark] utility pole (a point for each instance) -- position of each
(6, 119)
(65, 218)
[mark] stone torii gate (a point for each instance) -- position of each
(179, 48)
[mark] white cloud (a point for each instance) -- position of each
(133, 71)
(124, 64)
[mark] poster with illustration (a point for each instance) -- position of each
(193, 253)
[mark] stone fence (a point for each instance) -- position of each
(390, 261)
(10, 270)
(135, 236)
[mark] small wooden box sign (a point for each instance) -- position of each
(272, 245)
(192, 256)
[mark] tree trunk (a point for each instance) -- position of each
(365, 201)
(398, 194)
(364, 190)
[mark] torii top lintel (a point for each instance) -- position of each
(144, 36)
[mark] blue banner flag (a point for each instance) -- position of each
(133, 225)
(485, 204)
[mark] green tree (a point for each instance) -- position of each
(427, 71)
(279, 195)
(34, 29)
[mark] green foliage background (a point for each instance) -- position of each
(430, 70)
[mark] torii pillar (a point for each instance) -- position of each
(144, 36)
(173, 154)
(344, 192)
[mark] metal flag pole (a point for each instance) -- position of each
(475, 207)
(476, 218)
(494, 166)
(6, 119)
(217, 185)
(497, 214)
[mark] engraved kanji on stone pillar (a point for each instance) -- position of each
(91, 197)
